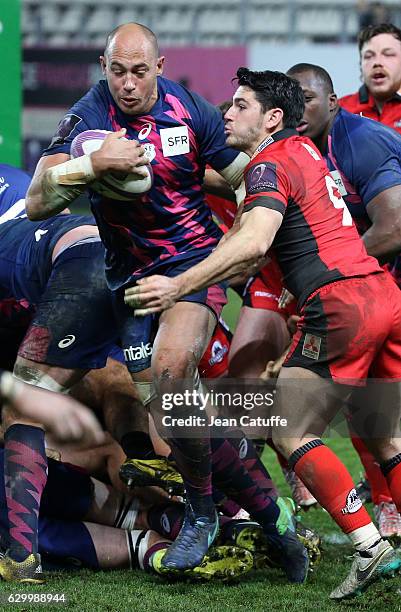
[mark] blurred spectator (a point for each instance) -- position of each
(379, 97)
(372, 13)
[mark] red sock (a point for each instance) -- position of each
(331, 484)
(378, 484)
(392, 470)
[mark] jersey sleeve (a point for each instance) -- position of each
(209, 127)
(14, 184)
(372, 160)
(266, 185)
(86, 114)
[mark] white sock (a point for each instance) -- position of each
(364, 537)
(127, 513)
(138, 544)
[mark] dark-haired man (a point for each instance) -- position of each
(363, 156)
(379, 97)
(293, 205)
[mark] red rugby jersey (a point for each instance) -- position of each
(362, 103)
(317, 242)
(224, 210)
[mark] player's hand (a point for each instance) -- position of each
(152, 294)
(292, 323)
(273, 368)
(61, 415)
(119, 155)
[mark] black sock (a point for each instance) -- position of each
(166, 519)
(137, 445)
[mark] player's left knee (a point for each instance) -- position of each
(170, 367)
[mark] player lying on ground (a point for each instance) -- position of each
(85, 523)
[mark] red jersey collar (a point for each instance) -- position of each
(280, 135)
(365, 97)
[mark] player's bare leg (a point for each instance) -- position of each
(111, 392)
(261, 336)
(113, 546)
(183, 335)
(144, 549)
(381, 435)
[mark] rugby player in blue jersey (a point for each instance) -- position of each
(67, 419)
(57, 265)
(166, 231)
(364, 158)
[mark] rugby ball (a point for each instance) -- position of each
(110, 185)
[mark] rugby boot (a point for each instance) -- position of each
(196, 536)
(152, 473)
(285, 548)
(29, 570)
(380, 561)
(222, 563)
(300, 493)
(250, 535)
(388, 520)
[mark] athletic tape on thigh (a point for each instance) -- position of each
(198, 384)
(146, 391)
(34, 377)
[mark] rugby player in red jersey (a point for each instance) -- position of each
(350, 309)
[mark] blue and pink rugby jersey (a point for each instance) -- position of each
(181, 134)
(364, 158)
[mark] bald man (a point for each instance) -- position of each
(165, 231)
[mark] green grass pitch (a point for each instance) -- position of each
(125, 591)
(262, 591)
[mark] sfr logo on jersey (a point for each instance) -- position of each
(175, 141)
(133, 353)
